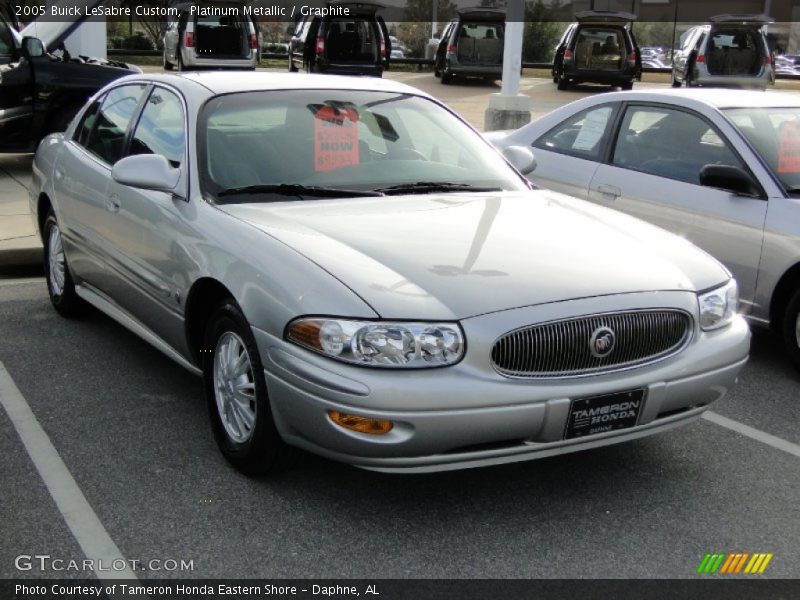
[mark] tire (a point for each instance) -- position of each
(60, 286)
(626, 85)
(675, 82)
(791, 329)
(292, 68)
(168, 66)
(447, 77)
(238, 403)
(562, 84)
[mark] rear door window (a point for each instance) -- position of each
(107, 138)
(581, 135)
(6, 42)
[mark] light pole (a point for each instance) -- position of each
(509, 109)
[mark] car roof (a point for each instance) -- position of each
(225, 82)
(712, 97)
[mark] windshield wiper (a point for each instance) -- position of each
(426, 187)
(294, 189)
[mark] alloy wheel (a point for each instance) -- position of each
(56, 261)
(234, 387)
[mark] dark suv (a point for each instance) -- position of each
(39, 92)
(599, 48)
(355, 44)
(472, 45)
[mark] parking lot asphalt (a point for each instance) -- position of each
(132, 431)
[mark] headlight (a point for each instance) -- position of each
(718, 306)
(380, 343)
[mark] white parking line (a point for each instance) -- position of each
(751, 432)
(81, 519)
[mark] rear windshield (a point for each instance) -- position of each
(355, 140)
(351, 40)
(775, 134)
(482, 31)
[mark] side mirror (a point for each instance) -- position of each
(32, 47)
(521, 157)
(147, 172)
(732, 179)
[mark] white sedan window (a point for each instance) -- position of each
(669, 143)
(579, 136)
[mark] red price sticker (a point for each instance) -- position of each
(335, 138)
(789, 148)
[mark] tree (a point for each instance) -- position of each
(541, 32)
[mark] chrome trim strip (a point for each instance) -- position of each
(104, 305)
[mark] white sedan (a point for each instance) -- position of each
(719, 168)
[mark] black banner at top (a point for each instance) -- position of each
(423, 11)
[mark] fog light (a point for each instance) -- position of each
(361, 424)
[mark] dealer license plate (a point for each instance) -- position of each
(599, 414)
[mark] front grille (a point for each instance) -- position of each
(562, 348)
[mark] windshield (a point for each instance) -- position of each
(775, 134)
(263, 146)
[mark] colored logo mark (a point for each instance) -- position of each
(733, 563)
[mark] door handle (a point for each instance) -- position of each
(112, 203)
(611, 192)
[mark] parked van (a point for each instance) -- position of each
(222, 37)
(598, 48)
(730, 51)
(472, 45)
(356, 44)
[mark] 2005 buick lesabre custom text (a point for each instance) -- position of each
(356, 272)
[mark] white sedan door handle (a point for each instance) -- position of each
(112, 203)
(610, 192)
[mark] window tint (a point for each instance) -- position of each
(107, 139)
(669, 143)
(161, 128)
(86, 125)
(581, 136)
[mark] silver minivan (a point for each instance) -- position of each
(217, 36)
(731, 51)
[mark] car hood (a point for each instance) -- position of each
(454, 256)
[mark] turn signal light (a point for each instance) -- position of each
(568, 54)
(189, 40)
(253, 41)
(361, 424)
(320, 46)
(701, 58)
(451, 49)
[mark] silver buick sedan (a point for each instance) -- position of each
(354, 271)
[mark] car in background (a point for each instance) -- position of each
(320, 248)
(722, 170)
(787, 64)
(196, 40)
(599, 47)
(355, 44)
(730, 51)
(40, 90)
(472, 46)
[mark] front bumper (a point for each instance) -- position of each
(468, 415)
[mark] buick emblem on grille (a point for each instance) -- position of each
(602, 342)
